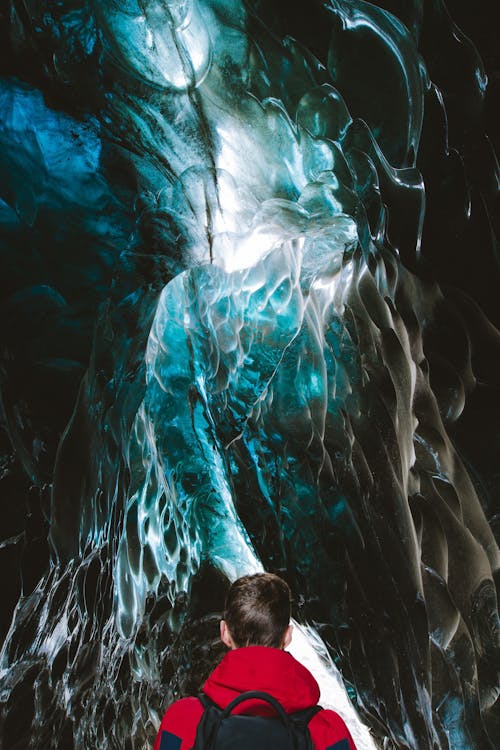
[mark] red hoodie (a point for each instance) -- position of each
(255, 668)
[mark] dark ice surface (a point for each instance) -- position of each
(249, 317)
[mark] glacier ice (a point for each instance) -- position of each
(249, 320)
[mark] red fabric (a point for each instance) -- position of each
(257, 668)
(182, 720)
(262, 668)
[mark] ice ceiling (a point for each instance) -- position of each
(249, 318)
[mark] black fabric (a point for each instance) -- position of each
(170, 741)
(340, 745)
(220, 729)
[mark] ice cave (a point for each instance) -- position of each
(249, 320)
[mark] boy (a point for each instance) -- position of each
(256, 628)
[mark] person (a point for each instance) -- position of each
(256, 629)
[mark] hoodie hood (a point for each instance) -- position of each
(262, 668)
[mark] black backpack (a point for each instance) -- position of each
(219, 729)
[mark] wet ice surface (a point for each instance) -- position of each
(309, 649)
(249, 308)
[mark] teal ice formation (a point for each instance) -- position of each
(249, 319)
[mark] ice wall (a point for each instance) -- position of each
(249, 320)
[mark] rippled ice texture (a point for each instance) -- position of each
(249, 320)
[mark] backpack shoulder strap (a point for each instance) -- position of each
(209, 723)
(301, 719)
(207, 702)
(304, 716)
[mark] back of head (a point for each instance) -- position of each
(258, 610)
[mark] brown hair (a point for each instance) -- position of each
(258, 610)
